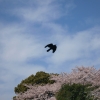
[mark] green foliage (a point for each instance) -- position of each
(14, 97)
(21, 88)
(74, 92)
(40, 78)
(29, 80)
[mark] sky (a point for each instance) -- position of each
(26, 26)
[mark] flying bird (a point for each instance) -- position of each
(51, 47)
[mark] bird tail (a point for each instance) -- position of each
(48, 50)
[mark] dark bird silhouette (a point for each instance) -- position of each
(51, 47)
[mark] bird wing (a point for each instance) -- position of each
(54, 48)
(49, 45)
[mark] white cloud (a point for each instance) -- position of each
(17, 46)
(42, 11)
(77, 46)
(16, 49)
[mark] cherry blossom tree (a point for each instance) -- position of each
(82, 75)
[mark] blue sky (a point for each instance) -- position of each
(27, 26)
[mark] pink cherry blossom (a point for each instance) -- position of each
(83, 75)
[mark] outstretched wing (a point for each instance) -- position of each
(49, 45)
(54, 48)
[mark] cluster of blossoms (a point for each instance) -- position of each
(82, 75)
